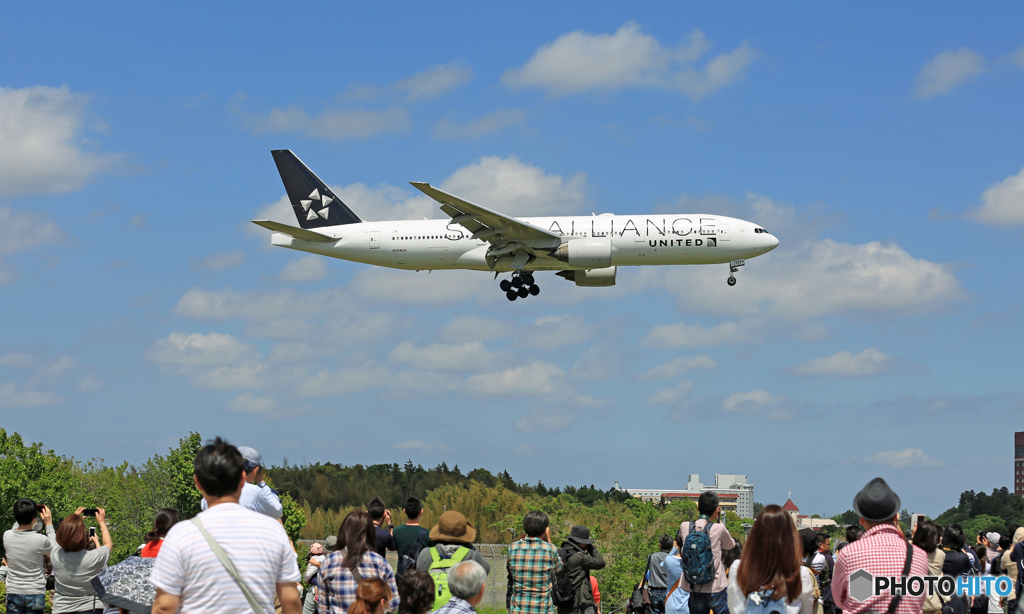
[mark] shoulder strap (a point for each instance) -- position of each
(435, 556)
(895, 601)
(647, 571)
(460, 554)
(230, 567)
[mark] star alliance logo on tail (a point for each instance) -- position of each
(324, 210)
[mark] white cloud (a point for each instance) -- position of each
(249, 403)
(535, 378)
(517, 188)
(546, 420)
(41, 144)
(679, 366)
(17, 359)
(552, 332)
(416, 444)
(91, 383)
(682, 334)
(436, 288)
(1017, 57)
(947, 70)
(468, 356)
(199, 304)
(472, 326)
(197, 349)
(22, 230)
(577, 62)
(307, 268)
(435, 81)
(334, 124)
(386, 202)
(15, 395)
(750, 400)
(1003, 203)
(219, 261)
(671, 396)
(252, 375)
(483, 125)
(598, 362)
(816, 278)
(901, 459)
(871, 361)
(346, 380)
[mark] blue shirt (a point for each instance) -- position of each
(673, 568)
(455, 605)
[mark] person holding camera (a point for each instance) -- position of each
(75, 564)
(580, 559)
(25, 548)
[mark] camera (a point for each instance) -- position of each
(89, 511)
(40, 507)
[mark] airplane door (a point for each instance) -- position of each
(723, 232)
(374, 239)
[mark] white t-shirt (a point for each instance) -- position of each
(256, 544)
(803, 605)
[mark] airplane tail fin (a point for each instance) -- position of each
(314, 203)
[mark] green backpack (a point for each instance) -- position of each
(439, 571)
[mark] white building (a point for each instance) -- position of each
(803, 521)
(724, 484)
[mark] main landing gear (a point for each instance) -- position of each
(733, 267)
(520, 286)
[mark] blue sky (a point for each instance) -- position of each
(882, 144)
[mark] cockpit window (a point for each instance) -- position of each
(759, 230)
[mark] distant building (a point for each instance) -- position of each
(804, 521)
(1018, 463)
(733, 491)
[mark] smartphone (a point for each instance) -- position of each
(89, 511)
(92, 532)
(914, 519)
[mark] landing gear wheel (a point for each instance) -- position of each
(732, 280)
(511, 295)
(534, 290)
(523, 292)
(517, 282)
(527, 278)
(505, 285)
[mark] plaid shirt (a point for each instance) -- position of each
(532, 563)
(881, 551)
(456, 605)
(338, 588)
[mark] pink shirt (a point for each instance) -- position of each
(720, 540)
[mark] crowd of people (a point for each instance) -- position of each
(236, 557)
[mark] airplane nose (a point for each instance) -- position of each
(772, 243)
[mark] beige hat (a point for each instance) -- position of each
(452, 527)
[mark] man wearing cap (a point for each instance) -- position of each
(256, 495)
(580, 558)
(881, 551)
(992, 551)
(449, 534)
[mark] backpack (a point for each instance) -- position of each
(698, 560)
(824, 577)
(408, 559)
(563, 593)
(761, 602)
(439, 572)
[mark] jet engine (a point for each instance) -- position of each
(594, 278)
(589, 253)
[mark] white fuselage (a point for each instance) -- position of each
(637, 240)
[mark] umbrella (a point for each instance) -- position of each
(126, 585)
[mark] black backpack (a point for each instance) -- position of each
(824, 576)
(408, 559)
(563, 593)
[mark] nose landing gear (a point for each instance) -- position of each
(733, 267)
(520, 286)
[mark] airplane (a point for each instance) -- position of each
(581, 249)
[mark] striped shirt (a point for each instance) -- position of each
(256, 544)
(338, 587)
(532, 564)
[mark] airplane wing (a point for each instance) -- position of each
(298, 233)
(491, 226)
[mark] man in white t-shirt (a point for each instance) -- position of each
(189, 577)
(256, 495)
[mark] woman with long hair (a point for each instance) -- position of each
(354, 562)
(166, 517)
(769, 576)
